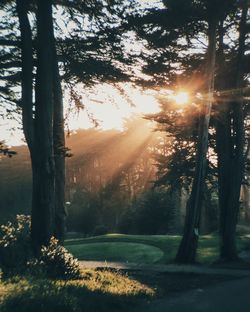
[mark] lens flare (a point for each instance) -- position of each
(181, 98)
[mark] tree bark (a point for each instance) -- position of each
(188, 246)
(43, 160)
(230, 146)
(44, 127)
(59, 152)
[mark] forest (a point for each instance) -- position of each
(175, 75)
(125, 197)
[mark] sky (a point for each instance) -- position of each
(105, 105)
(109, 107)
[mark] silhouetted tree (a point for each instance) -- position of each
(170, 32)
(43, 121)
(230, 137)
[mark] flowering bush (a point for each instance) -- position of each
(15, 245)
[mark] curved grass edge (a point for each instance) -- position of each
(117, 252)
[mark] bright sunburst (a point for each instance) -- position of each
(181, 97)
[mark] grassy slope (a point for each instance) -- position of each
(96, 248)
(95, 291)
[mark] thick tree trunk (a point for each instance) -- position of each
(43, 160)
(230, 144)
(27, 102)
(48, 210)
(230, 163)
(188, 246)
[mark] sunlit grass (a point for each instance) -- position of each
(113, 283)
(95, 291)
(85, 248)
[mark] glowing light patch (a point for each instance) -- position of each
(181, 98)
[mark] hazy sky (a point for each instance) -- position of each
(107, 106)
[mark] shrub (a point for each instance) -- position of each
(16, 256)
(15, 245)
(58, 262)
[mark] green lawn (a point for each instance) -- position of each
(117, 251)
(159, 249)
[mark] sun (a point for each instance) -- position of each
(181, 98)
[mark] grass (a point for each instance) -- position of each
(160, 249)
(95, 291)
(165, 243)
(117, 251)
(106, 290)
(102, 291)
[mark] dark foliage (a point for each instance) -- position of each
(154, 212)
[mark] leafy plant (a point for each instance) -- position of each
(58, 262)
(16, 255)
(15, 245)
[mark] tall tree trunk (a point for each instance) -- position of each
(27, 102)
(230, 144)
(48, 210)
(59, 152)
(188, 246)
(43, 160)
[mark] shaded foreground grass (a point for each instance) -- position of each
(161, 249)
(95, 291)
(100, 291)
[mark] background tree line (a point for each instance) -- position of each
(141, 203)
